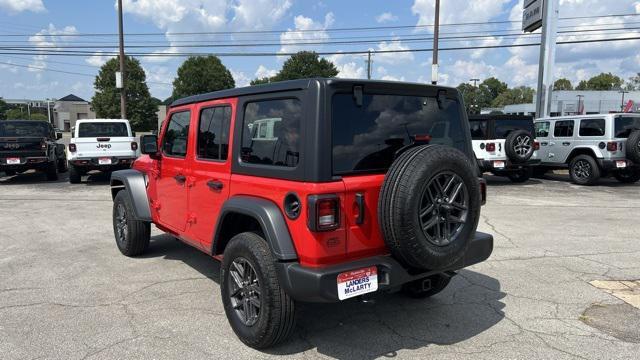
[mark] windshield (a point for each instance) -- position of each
(366, 138)
(112, 129)
(24, 129)
(625, 125)
(506, 126)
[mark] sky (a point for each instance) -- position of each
(287, 25)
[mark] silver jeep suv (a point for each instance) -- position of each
(591, 146)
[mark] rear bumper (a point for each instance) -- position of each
(611, 165)
(488, 165)
(26, 163)
(93, 163)
(320, 284)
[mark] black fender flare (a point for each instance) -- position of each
(134, 183)
(270, 218)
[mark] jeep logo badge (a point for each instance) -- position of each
(12, 146)
(103, 146)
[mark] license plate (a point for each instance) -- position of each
(13, 161)
(104, 161)
(357, 282)
(498, 164)
(621, 164)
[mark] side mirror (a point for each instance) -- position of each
(58, 136)
(149, 145)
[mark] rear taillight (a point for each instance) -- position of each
(612, 146)
(324, 212)
(134, 146)
(72, 147)
(491, 147)
(43, 146)
(536, 145)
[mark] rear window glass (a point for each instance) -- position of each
(115, 129)
(478, 129)
(24, 129)
(213, 134)
(542, 129)
(271, 132)
(592, 127)
(563, 128)
(624, 125)
(505, 126)
(365, 138)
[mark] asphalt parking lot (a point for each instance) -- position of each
(67, 293)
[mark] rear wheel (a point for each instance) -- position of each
(75, 176)
(257, 307)
(584, 170)
(132, 236)
(627, 176)
(52, 171)
(520, 176)
(427, 287)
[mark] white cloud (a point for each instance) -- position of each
(386, 17)
(259, 14)
(393, 57)
(240, 78)
(98, 58)
(456, 11)
(349, 66)
(47, 39)
(263, 72)
(16, 6)
(301, 34)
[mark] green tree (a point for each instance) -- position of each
(495, 86)
(201, 74)
(306, 64)
(475, 98)
(562, 84)
(16, 114)
(38, 116)
(602, 81)
(141, 111)
(633, 84)
(518, 95)
(259, 81)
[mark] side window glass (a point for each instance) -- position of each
(542, 129)
(592, 127)
(563, 128)
(271, 132)
(176, 137)
(213, 133)
(478, 129)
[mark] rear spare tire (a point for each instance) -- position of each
(633, 146)
(429, 206)
(519, 146)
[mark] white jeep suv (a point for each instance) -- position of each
(591, 146)
(100, 144)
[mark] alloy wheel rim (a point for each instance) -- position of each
(582, 169)
(444, 207)
(121, 223)
(244, 291)
(523, 145)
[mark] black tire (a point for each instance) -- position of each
(275, 318)
(539, 172)
(520, 176)
(9, 172)
(75, 176)
(408, 189)
(584, 170)
(628, 176)
(132, 236)
(63, 166)
(633, 146)
(52, 171)
(519, 146)
(415, 289)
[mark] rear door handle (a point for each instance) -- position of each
(215, 185)
(566, 143)
(360, 203)
(544, 143)
(180, 178)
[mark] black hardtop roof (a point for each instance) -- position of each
(500, 117)
(302, 84)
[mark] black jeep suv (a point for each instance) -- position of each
(31, 144)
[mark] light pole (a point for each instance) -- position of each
(580, 104)
(123, 99)
(622, 103)
(436, 32)
(475, 95)
(48, 110)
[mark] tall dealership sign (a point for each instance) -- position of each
(543, 14)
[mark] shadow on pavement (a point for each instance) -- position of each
(493, 180)
(31, 177)
(354, 329)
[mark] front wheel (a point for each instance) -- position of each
(584, 170)
(520, 176)
(628, 176)
(257, 307)
(132, 236)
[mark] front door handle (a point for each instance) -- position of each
(180, 178)
(566, 143)
(215, 185)
(544, 143)
(551, 143)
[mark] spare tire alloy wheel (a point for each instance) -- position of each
(633, 146)
(244, 291)
(444, 208)
(519, 146)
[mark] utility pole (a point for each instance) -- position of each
(436, 31)
(48, 111)
(547, 57)
(123, 95)
(369, 65)
(622, 103)
(475, 82)
(580, 109)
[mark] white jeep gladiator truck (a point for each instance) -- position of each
(100, 144)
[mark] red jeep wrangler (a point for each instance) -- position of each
(315, 190)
